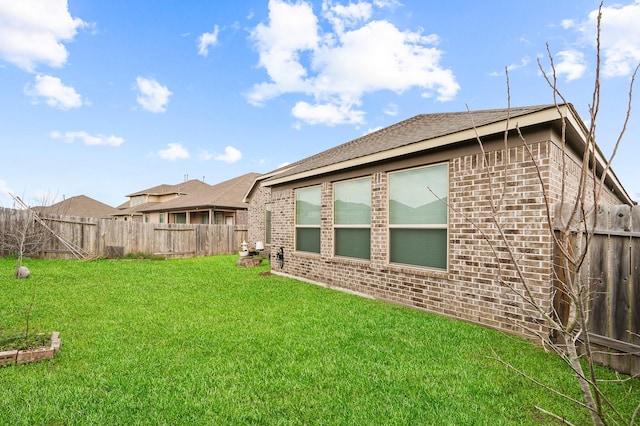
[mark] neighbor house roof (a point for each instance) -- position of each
(124, 210)
(227, 194)
(428, 131)
(185, 187)
(180, 189)
(81, 206)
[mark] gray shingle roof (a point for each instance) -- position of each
(135, 210)
(419, 128)
(229, 194)
(80, 206)
(180, 188)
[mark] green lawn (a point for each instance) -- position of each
(199, 341)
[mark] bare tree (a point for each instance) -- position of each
(24, 233)
(566, 334)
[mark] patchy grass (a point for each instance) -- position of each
(199, 341)
(21, 341)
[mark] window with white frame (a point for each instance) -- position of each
(352, 218)
(308, 219)
(418, 216)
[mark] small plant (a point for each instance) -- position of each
(18, 341)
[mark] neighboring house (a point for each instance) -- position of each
(130, 210)
(79, 206)
(192, 201)
(393, 214)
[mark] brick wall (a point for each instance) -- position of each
(242, 217)
(256, 214)
(478, 260)
(509, 184)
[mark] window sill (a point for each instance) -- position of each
(306, 254)
(350, 261)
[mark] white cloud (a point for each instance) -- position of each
(175, 152)
(207, 39)
(231, 155)
(54, 92)
(374, 129)
(5, 191)
(342, 17)
(204, 155)
(523, 63)
(33, 32)
(620, 37)
(570, 63)
(512, 67)
(337, 69)
(153, 96)
(391, 109)
(292, 30)
(525, 40)
(328, 113)
(391, 4)
(87, 139)
(567, 23)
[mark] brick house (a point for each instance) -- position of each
(192, 201)
(395, 214)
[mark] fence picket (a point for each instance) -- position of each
(599, 274)
(613, 268)
(106, 237)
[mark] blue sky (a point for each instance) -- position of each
(105, 98)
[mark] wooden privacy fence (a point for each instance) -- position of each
(612, 269)
(111, 238)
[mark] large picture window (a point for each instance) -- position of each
(418, 216)
(352, 218)
(308, 219)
